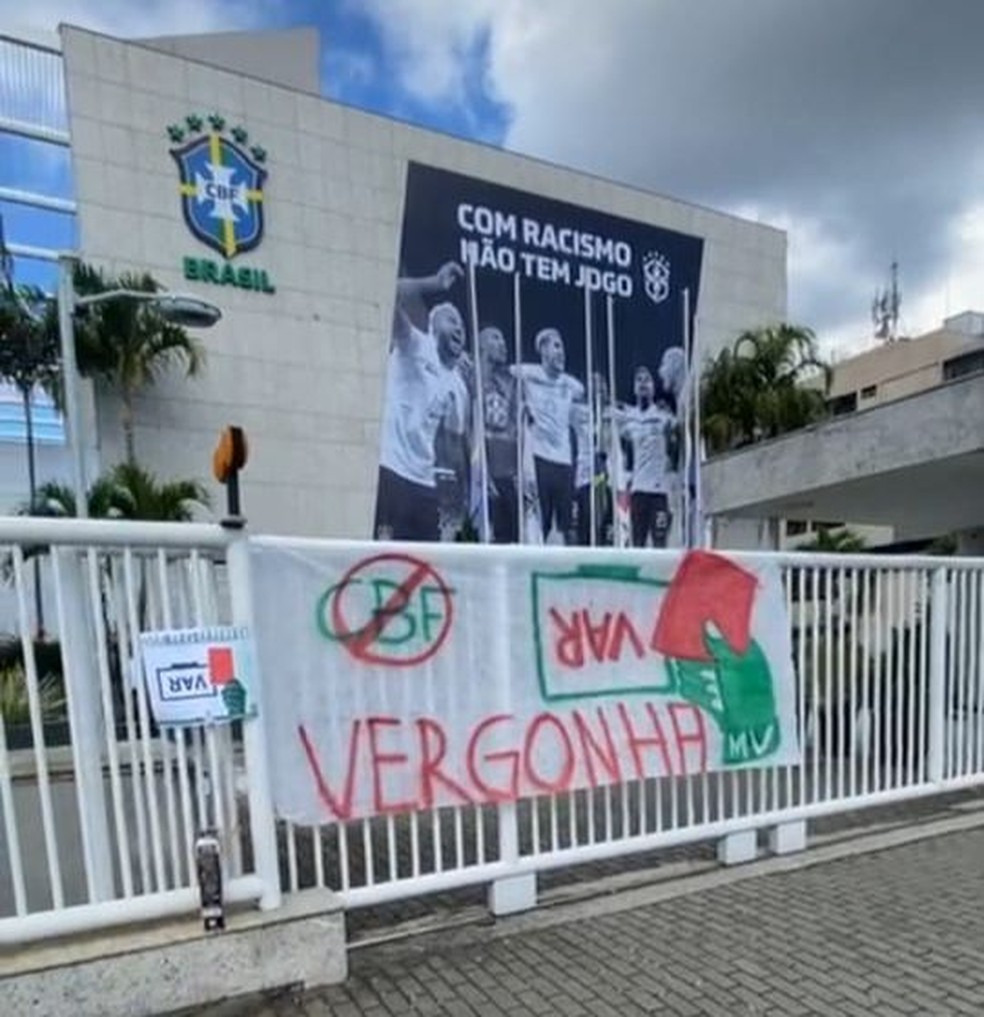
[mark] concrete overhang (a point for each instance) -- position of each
(916, 464)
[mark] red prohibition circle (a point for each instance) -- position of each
(359, 641)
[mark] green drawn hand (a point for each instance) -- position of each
(737, 693)
(234, 697)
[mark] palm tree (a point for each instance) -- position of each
(29, 361)
(127, 491)
(945, 545)
(28, 355)
(57, 501)
(756, 389)
(137, 494)
(835, 541)
(129, 344)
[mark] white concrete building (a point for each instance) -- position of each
(299, 362)
(899, 462)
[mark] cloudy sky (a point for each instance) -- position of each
(856, 125)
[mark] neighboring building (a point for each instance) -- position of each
(891, 371)
(906, 366)
(306, 283)
(899, 462)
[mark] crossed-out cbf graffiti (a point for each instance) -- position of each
(414, 682)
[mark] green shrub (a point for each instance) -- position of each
(14, 702)
(47, 654)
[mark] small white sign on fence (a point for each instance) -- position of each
(199, 676)
(404, 681)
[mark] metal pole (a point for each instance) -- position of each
(700, 530)
(686, 523)
(615, 465)
(589, 360)
(518, 390)
(483, 463)
(70, 381)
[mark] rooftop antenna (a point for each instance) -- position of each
(885, 309)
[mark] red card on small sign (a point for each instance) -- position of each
(220, 665)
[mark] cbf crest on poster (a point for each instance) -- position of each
(538, 372)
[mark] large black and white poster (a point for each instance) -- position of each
(538, 374)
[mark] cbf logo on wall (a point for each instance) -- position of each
(221, 183)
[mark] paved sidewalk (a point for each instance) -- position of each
(887, 934)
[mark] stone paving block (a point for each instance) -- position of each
(895, 933)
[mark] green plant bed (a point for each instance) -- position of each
(47, 655)
(57, 734)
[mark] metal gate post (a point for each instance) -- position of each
(262, 823)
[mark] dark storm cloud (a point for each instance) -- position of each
(865, 117)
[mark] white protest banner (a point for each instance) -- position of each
(198, 676)
(403, 680)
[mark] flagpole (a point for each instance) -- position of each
(520, 461)
(615, 468)
(701, 533)
(686, 526)
(480, 402)
(590, 397)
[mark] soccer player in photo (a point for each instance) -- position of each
(424, 391)
(501, 444)
(650, 429)
(549, 394)
(591, 475)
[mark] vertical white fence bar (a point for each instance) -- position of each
(218, 818)
(968, 615)
(979, 672)
(952, 668)
(967, 679)
(816, 606)
(801, 684)
(913, 738)
(922, 722)
(123, 643)
(293, 879)
(514, 893)
(161, 617)
(37, 736)
(867, 698)
(939, 617)
(112, 750)
(344, 867)
(852, 698)
(891, 674)
(828, 683)
(958, 674)
(132, 598)
(977, 630)
(10, 825)
(843, 758)
(86, 720)
(261, 819)
(878, 693)
(186, 846)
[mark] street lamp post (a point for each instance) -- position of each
(177, 308)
